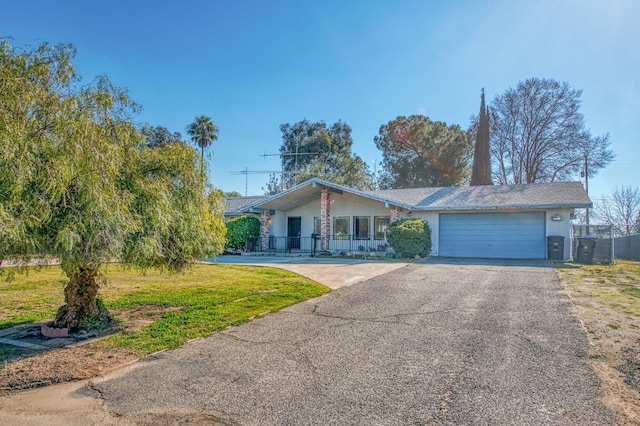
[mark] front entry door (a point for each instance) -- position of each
(294, 225)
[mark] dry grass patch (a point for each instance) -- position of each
(133, 320)
(62, 365)
(607, 300)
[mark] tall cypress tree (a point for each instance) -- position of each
(481, 173)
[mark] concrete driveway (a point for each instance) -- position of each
(443, 342)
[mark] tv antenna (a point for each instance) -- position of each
(291, 154)
(246, 172)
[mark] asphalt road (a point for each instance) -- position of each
(435, 343)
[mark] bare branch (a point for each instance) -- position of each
(538, 134)
(621, 210)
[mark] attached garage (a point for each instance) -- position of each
(505, 235)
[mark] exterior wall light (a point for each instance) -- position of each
(556, 217)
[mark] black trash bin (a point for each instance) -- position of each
(555, 247)
(586, 247)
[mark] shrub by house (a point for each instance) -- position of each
(241, 228)
(410, 237)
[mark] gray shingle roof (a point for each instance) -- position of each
(533, 195)
(238, 205)
(489, 197)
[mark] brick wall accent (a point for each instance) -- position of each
(325, 219)
(395, 215)
(264, 229)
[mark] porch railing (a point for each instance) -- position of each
(342, 244)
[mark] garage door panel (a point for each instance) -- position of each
(493, 235)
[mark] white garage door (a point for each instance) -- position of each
(493, 235)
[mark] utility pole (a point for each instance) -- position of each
(586, 187)
(246, 181)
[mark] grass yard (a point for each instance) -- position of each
(607, 300)
(159, 311)
(614, 286)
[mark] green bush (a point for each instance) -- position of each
(410, 237)
(241, 228)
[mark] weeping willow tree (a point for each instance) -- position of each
(79, 184)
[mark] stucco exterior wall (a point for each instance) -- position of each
(278, 226)
(560, 227)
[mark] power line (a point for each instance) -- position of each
(246, 171)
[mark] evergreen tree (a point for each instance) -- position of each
(418, 152)
(481, 173)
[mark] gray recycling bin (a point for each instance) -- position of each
(555, 247)
(586, 247)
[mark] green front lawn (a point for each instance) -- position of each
(204, 300)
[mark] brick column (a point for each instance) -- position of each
(395, 215)
(264, 229)
(324, 219)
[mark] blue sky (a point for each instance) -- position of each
(253, 65)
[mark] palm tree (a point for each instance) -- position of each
(203, 132)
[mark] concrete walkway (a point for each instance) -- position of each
(333, 272)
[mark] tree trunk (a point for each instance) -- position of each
(81, 307)
(202, 164)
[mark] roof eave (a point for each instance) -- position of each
(509, 207)
(316, 181)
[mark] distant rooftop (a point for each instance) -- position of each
(238, 205)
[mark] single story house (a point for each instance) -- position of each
(493, 221)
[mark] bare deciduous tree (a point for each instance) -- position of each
(538, 134)
(621, 210)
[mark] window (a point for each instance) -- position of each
(341, 228)
(316, 225)
(380, 224)
(361, 227)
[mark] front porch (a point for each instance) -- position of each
(335, 244)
